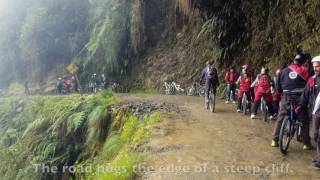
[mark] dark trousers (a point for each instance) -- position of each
(210, 84)
(283, 113)
(316, 125)
(231, 91)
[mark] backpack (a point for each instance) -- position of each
(211, 72)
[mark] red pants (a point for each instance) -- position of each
(240, 93)
(267, 96)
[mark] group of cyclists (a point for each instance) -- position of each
(297, 83)
(69, 84)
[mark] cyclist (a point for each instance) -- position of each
(230, 79)
(292, 78)
(59, 86)
(310, 99)
(94, 82)
(250, 72)
(263, 85)
(244, 82)
(67, 84)
(210, 75)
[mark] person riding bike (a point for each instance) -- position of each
(263, 84)
(210, 76)
(251, 74)
(230, 79)
(94, 82)
(310, 99)
(292, 78)
(59, 85)
(244, 82)
(67, 84)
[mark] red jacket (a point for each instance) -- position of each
(245, 83)
(231, 77)
(264, 83)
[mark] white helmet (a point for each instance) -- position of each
(315, 59)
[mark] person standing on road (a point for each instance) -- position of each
(210, 76)
(310, 98)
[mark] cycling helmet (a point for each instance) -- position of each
(300, 58)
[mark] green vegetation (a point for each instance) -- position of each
(62, 131)
(40, 37)
(117, 159)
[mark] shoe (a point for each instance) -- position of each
(308, 147)
(238, 110)
(234, 102)
(252, 116)
(227, 102)
(271, 117)
(274, 143)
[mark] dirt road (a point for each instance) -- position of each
(198, 144)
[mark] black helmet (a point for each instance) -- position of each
(301, 58)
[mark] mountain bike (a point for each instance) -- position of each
(291, 126)
(178, 88)
(244, 103)
(224, 93)
(200, 89)
(168, 88)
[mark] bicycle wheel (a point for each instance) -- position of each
(299, 134)
(212, 102)
(244, 104)
(201, 91)
(285, 135)
(224, 93)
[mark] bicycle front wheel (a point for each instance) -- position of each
(285, 137)
(299, 133)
